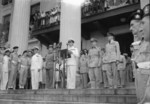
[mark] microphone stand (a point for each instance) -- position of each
(54, 74)
(59, 62)
(65, 57)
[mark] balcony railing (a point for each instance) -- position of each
(90, 8)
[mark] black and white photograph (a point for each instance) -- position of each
(74, 51)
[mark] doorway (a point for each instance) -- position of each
(125, 40)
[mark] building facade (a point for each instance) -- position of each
(17, 27)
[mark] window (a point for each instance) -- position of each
(5, 28)
(6, 2)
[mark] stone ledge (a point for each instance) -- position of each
(74, 92)
(73, 98)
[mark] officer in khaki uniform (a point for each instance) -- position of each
(121, 71)
(94, 63)
(104, 67)
(83, 68)
(113, 54)
(135, 23)
(49, 67)
(1, 61)
(142, 60)
(23, 69)
(14, 67)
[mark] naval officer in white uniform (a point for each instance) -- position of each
(72, 64)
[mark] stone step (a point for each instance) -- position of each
(74, 92)
(3, 101)
(74, 98)
(63, 96)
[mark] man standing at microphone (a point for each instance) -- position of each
(72, 64)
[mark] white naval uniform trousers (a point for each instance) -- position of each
(5, 72)
(36, 66)
(72, 65)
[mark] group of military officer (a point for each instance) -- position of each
(9, 60)
(103, 64)
(14, 65)
(139, 25)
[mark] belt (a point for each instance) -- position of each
(143, 71)
(144, 65)
(14, 62)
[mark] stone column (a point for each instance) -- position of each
(144, 2)
(70, 25)
(20, 25)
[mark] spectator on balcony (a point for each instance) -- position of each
(35, 20)
(57, 15)
(43, 15)
(52, 17)
(94, 6)
(86, 8)
(47, 18)
(132, 1)
(101, 5)
(38, 16)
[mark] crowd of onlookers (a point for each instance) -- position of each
(44, 19)
(90, 7)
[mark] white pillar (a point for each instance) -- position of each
(20, 25)
(144, 2)
(70, 25)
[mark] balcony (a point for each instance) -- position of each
(91, 12)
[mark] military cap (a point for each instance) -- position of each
(110, 34)
(146, 10)
(137, 15)
(50, 45)
(36, 47)
(70, 40)
(7, 50)
(25, 51)
(15, 47)
(93, 40)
